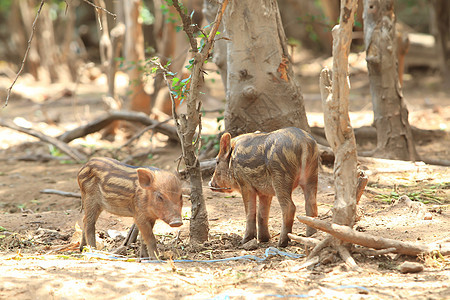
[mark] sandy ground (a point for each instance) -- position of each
(39, 232)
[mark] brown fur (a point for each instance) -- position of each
(265, 165)
(146, 194)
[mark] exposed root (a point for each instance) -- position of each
(307, 241)
(347, 258)
(323, 244)
(348, 235)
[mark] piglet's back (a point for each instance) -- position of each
(116, 179)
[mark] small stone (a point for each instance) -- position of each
(411, 267)
(251, 245)
(428, 216)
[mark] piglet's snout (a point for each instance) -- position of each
(176, 223)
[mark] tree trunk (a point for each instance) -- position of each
(262, 93)
(338, 130)
(220, 46)
(106, 51)
(394, 137)
(134, 54)
(33, 61)
(187, 124)
(48, 46)
(442, 35)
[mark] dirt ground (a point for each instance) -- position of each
(39, 232)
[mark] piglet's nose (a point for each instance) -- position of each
(176, 223)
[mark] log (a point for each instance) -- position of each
(347, 234)
(369, 134)
(108, 118)
(207, 167)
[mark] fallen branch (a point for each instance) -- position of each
(37, 157)
(369, 134)
(371, 252)
(207, 167)
(347, 234)
(61, 193)
(108, 118)
(73, 153)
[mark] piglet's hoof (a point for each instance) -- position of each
(251, 245)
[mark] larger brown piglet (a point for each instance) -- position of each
(146, 194)
(267, 165)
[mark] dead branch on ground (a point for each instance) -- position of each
(349, 235)
(108, 118)
(73, 153)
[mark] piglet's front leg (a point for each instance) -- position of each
(146, 230)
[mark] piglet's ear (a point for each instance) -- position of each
(146, 177)
(225, 145)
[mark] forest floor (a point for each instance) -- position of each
(39, 232)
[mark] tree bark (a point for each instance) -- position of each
(442, 35)
(262, 92)
(394, 137)
(33, 61)
(219, 55)
(134, 54)
(349, 235)
(187, 124)
(338, 130)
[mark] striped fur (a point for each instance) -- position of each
(146, 194)
(267, 165)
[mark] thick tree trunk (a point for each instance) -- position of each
(262, 93)
(394, 137)
(134, 54)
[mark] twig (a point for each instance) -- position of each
(61, 193)
(187, 26)
(140, 133)
(101, 8)
(33, 29)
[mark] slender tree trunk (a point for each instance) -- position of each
(338, 130)
(47, 45)
(68, 56)
(220, 46)
(33, 61)
(442, 34)
(134, 54)
(106, 51)
(394, 137)
(188, 124)
(262, 92)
